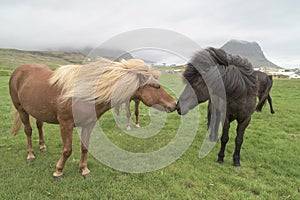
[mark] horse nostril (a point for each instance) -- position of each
(178, 108)
(179, 111)
(171, 108)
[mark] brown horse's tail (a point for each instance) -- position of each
(265, 95)
(17, 122)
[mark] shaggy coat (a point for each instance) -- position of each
(211, 72)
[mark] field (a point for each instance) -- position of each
(269, 157)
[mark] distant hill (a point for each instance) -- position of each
(114, 54)
(250, 50)
(106, 52)
(11, 58)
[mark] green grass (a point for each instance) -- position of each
(269, 157)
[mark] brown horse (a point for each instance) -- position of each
(265, 83)
(76, 95)
(136, 113)
(136, 102)
(128, 113)
(240, 86)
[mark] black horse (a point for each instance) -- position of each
(240, 85)
(265, 83)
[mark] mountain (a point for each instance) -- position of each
(251, 50)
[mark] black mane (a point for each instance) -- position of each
(237, 72)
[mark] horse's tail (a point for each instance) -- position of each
(17, 122)
(214, 121)
(265, 95)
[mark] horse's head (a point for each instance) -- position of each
(195, 92)
(153, 94)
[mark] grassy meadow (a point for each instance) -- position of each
(269, 157)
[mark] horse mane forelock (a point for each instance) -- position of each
(104, 81)
(239, 73)
(223, 58)
(236, 72)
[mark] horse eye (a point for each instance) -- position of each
(157, 87)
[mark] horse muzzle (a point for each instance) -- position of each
(181, 110)
(171, 108)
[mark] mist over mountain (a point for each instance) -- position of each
(104, 52)
(251, 50)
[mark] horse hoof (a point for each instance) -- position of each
(58, 175)
(43, 149)
(128, 128)
(220, 161)
(85, 173)
(236, 164)
(137, 126)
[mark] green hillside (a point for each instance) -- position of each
(11, 58)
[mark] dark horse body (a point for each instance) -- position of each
(265, 83)
(240, 87)
(32, 94)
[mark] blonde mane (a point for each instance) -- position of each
(104, 81)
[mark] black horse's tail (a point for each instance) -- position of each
(265, 95)
(215, 121)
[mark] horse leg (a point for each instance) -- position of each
(128, 115)
(239, 140)
(28, 131)
(224, 140)
(66, 131)
(270, 103)
(39, 125)
(85, 137)
(259, 105)
(137, 124)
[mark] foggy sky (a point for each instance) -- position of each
(38, 25)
